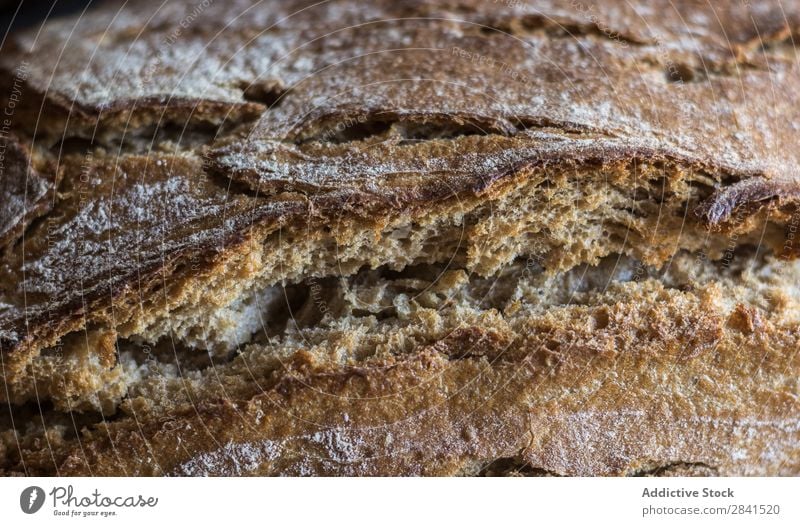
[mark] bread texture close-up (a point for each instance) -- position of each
(454, 237)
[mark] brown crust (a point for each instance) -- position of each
(624, 388)
(27, 192)
(635, 127)
(551, 91)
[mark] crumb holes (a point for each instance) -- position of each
(513, 467)
(552, 345)
(70, 145)
(414, 132)
(359, 131)
(269, 92)
(359, 128)
(679, 73)
(601, 319)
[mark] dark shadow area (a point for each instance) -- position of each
(19, 14)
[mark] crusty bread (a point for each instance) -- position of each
(403, 238)
(602, 370)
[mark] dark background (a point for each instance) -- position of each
(17, 14)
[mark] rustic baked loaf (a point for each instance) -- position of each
(402, 238)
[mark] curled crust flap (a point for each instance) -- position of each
(741, 199)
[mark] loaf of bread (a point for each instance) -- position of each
(449, 237)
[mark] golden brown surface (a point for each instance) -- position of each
(647, 376)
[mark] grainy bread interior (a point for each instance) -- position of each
(508, 238)
(713, 340)
(558, 219)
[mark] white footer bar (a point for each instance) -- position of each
(400, 501)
